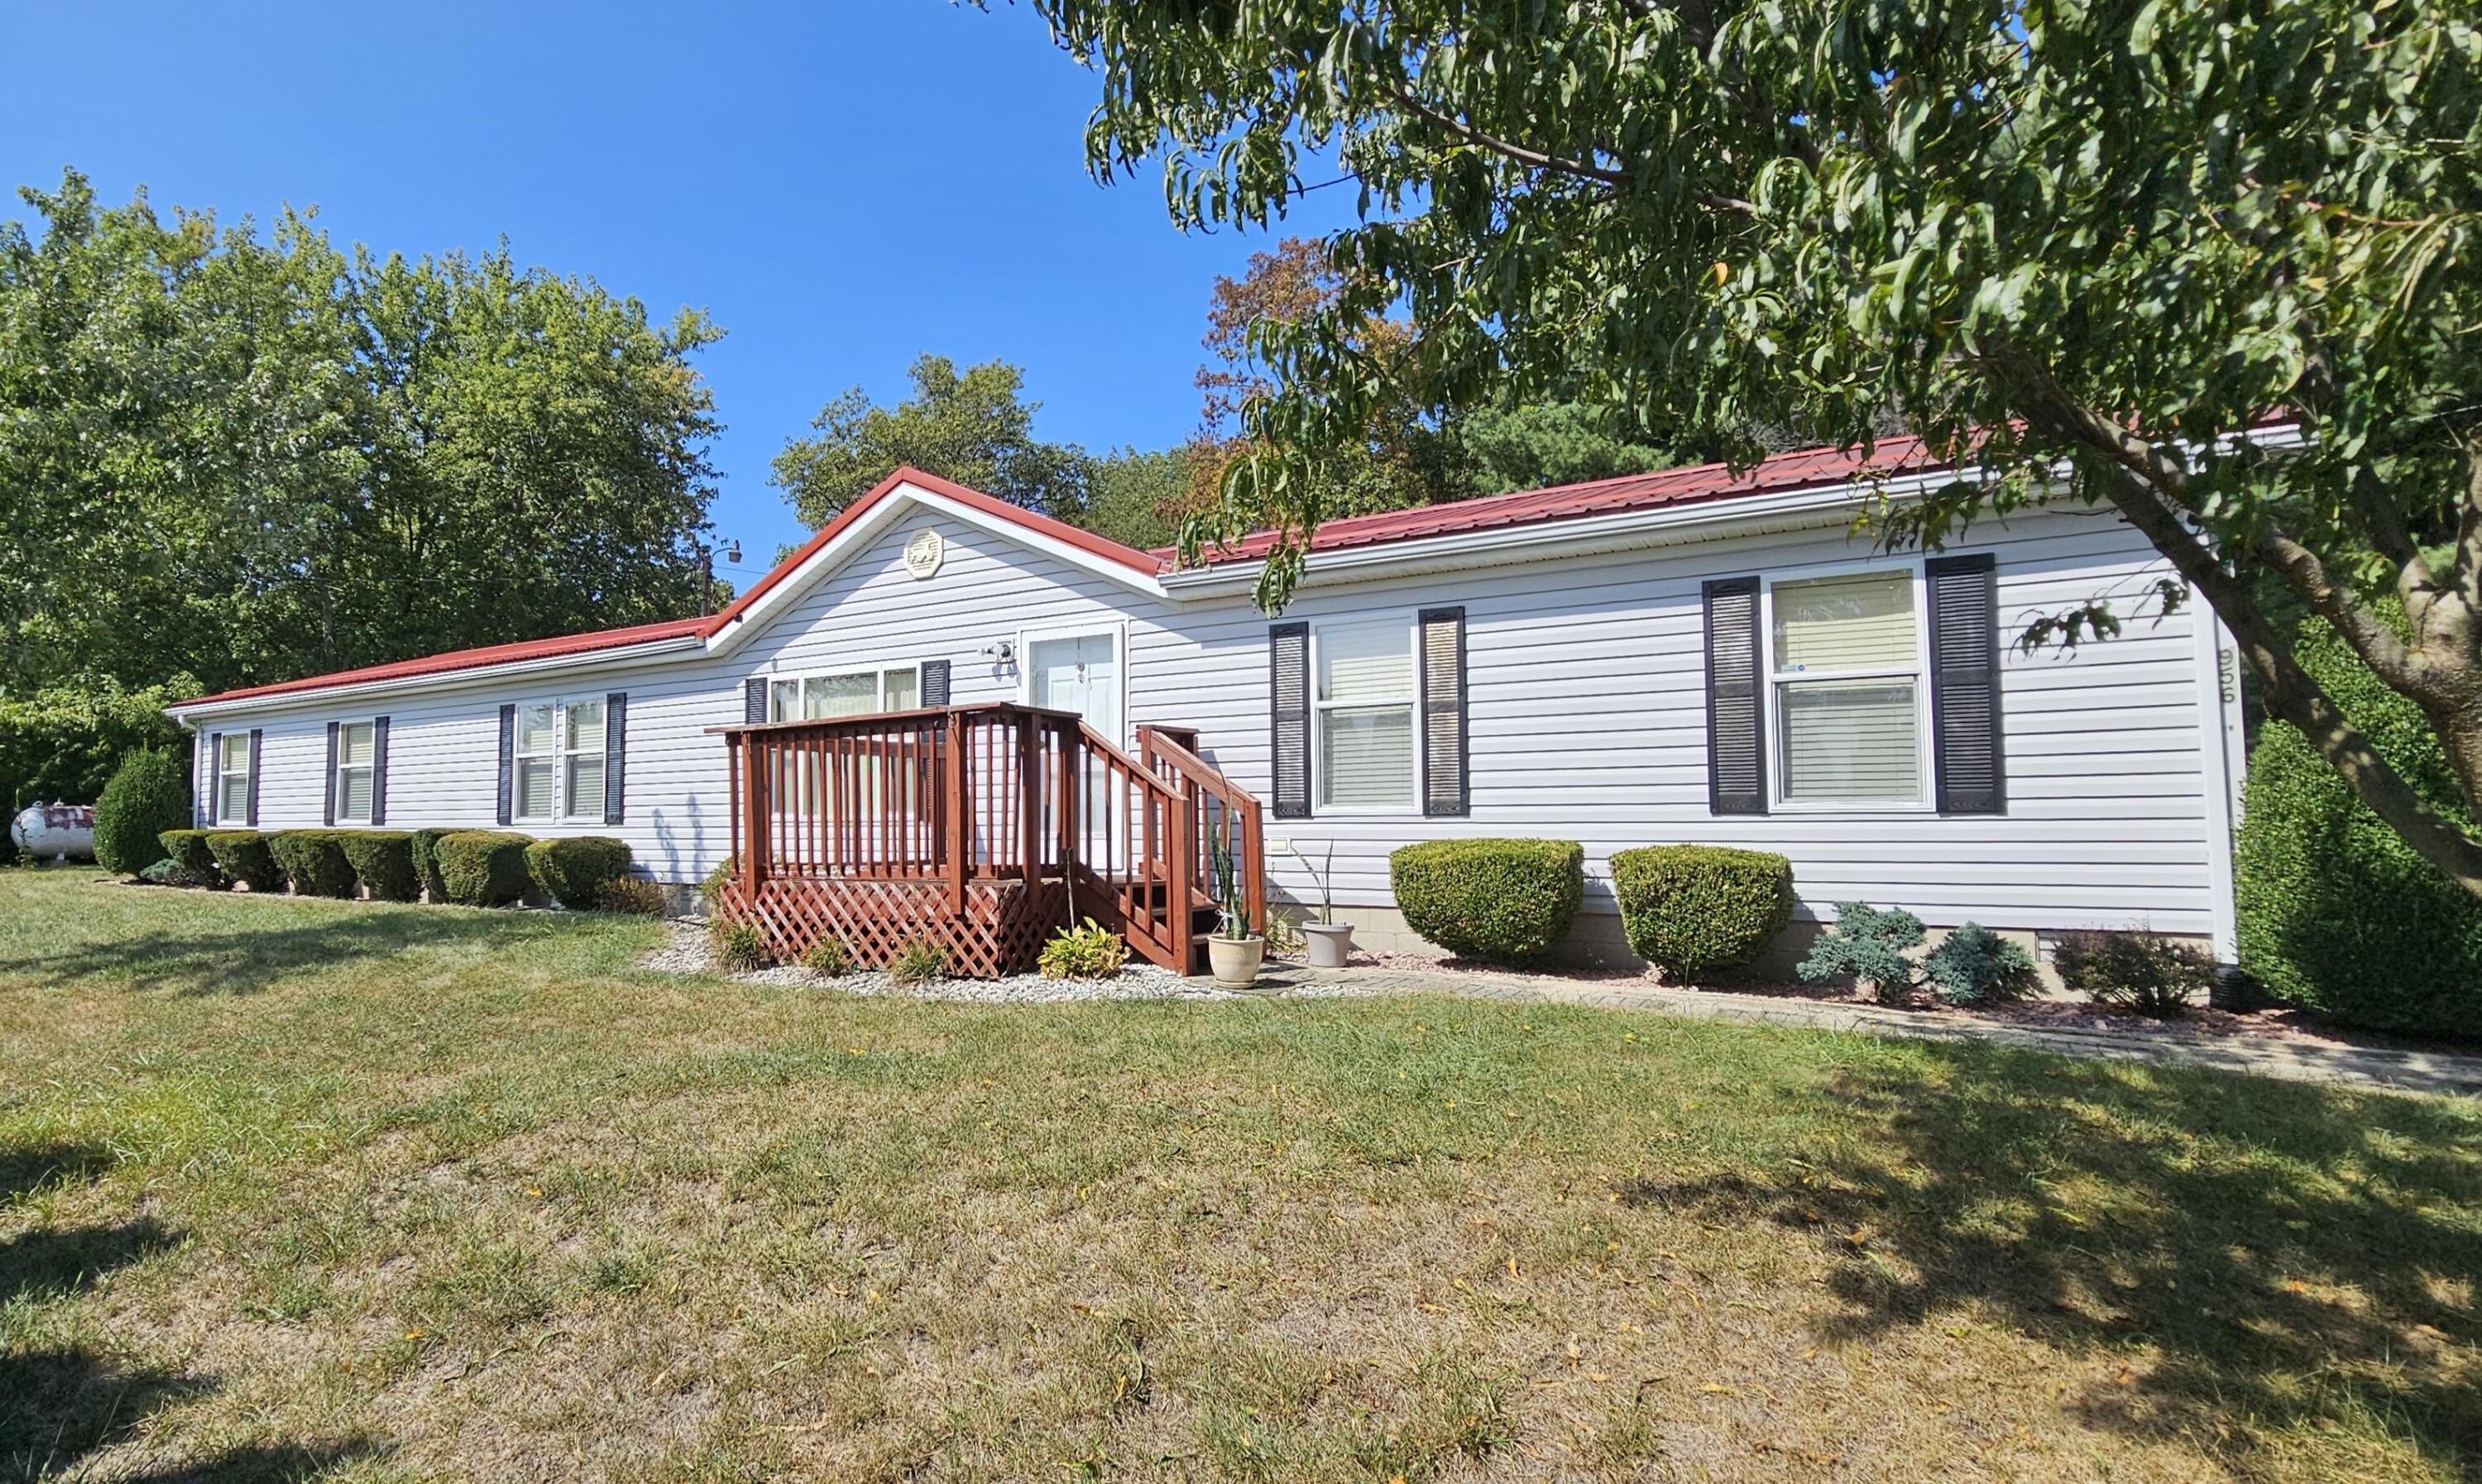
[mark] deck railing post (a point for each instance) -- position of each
(1182, 827)
(1255, 893)
(1029, 801)
(960, 814)
(756, 770)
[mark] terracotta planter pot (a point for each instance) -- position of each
(1330, 944)
(1235, 961)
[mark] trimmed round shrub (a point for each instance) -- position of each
(384, 861)
(314, 861)
(189, 851)
(426, 861)
(1692, 910)
(2337, 914)
(242, 856)
(574, 871)
(483, 868)
(1500, 901)
(145, 797)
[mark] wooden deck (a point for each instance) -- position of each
(984, 828)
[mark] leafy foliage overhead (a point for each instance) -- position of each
(250, 458)
(2095, 245)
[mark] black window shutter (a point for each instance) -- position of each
(379, 771)
(753, 699)
(615, 755)
(1288, 649)
(329, 809)
(256, 735)
(1446, 793)
(934, 682)
(508, 757)
(1966, 751)
(1736, 717)
(215, 778)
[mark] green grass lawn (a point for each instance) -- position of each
(301, 1188)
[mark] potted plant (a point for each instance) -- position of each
(1331, 942)
(1234, 950)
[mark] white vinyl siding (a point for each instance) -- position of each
(357, 757)
(1846, 665)
(232, 779)
(1362, 697)
(1585, 703)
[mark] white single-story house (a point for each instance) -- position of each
(1692, 655)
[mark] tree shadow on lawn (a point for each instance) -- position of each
(2291, 1256)
(259, 944)
(60, 1404)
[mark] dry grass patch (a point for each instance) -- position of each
(309, 1188)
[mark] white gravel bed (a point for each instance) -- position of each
(685, 952)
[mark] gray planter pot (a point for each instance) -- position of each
(1330, 944)
(1235, 961)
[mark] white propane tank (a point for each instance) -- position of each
(55, 832)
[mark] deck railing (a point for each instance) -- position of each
(963, 794)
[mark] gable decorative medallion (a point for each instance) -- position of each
(924, 553)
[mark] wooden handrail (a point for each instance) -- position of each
(1200, 781)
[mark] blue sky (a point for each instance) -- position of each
(842, 185)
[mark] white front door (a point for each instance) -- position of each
(1078, 673)
(1081, 673)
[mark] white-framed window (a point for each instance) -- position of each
(581, 758)
(1362, 702)
(357, 772)
(558, 760)
(536, 795)
(831, 693)
(1848, 698)
(233, 778)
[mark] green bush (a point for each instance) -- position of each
(828, 956)
(711, 890)
(314, 862)
(919, 959)
(1691, 910)
(146, 797)
(1869, 945)
(2337, 914)
(1974, 965)
(384, 861)
(189, 851)
(634, 896)
(426, 862)
(1500, 901)
(574, 871)
(483, 868)
(62, 743)
(242, 856)
(738, 946)
(2157, 976)
(1090, 952)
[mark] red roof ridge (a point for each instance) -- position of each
(1817, 467)
(480, 656)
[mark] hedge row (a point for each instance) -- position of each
(471, 868)
(1687, 909)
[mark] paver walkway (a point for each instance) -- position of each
(2412, 1071)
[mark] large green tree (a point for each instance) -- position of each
(244, 458)
(973, 426)
(2092, 249)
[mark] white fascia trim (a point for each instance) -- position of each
(1662, 526)
(682, 646)
(875, 523)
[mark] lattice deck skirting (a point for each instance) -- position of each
(1002, 930)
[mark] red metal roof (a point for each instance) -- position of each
(1805, 469)
(674, 628)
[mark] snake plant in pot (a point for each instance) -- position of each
(1235, 949)
(1331, 942)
